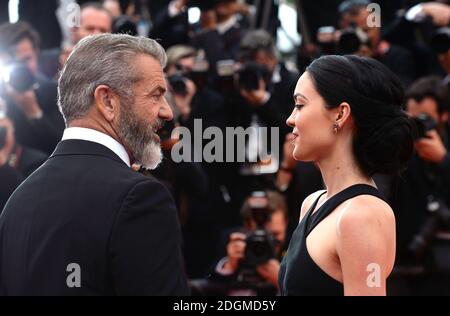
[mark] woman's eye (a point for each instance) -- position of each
(299, 106)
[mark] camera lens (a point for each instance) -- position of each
(424, 123)
(178, 84)
(20, 78)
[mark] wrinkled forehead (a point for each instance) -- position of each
(149, 70)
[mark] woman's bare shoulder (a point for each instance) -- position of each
(366, 215)
(309, 201)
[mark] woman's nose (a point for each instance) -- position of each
(291, 119)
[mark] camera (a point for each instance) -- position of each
(326, 40)
(198, 74)
(260, 244)
(423, 123)
(439, 218)
(17, 76)
(124, 25)
(440, 41)
(250, 74)
(178, 83)
(351, 40)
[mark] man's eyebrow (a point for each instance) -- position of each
(159, 89)
(299, 95)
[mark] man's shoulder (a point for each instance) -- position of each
(87, 172)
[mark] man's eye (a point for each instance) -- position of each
(157, 96)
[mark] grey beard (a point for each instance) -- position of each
(140, 139)
(152, 156)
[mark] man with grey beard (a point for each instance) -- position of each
(85, 223)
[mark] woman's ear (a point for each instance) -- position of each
(107, 102)
(343, 114)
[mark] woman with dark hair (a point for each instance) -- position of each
(348, 119)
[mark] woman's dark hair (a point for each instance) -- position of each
(430, 87)
(383, 138)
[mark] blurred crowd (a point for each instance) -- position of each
(225, 69)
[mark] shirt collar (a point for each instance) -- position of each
(92, 135)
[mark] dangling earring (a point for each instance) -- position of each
(335, 127)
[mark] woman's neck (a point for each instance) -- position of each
(340, 170)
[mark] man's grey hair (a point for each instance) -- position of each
(105, 59)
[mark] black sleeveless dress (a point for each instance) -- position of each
(299, 274)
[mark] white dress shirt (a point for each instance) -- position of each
(92, 135)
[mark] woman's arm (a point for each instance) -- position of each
(366, 245)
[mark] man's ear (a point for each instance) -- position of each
(107, 102)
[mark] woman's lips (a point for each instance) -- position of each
(295, 137)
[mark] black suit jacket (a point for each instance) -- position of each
(27, 160)
(85, 206)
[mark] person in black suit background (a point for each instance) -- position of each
(170, 23)
(85, 223)
(16, 161)
(30, 97)
(42, 17)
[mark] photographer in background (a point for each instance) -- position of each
(191, 98)
(357, 37)
(424, 188)
(265, 84)
(171, 24)
(93, 19)
(16, 162)
(124, 15)
(222, 28)
(187, 74)
(262, 97)
(30, 97)
(255, 251)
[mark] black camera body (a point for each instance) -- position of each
(351, 40)
(18, 77)
(198, 74)
(440, 41)
(424, 123)
(260, 248)
(260, 244)
(178, 83)
(250, 74)
(439, 218)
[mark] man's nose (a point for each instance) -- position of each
(165, 112)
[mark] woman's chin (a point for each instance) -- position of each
(297, 155)
(300, 155)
